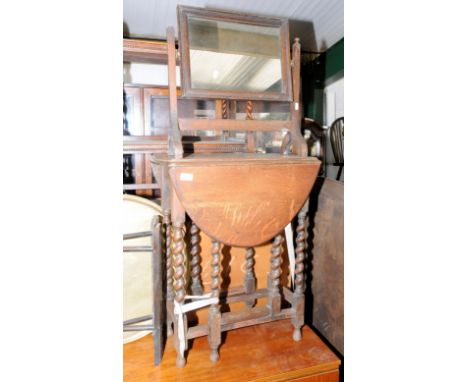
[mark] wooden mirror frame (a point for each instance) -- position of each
(186, 82)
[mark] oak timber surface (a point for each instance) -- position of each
(220, 158)
(242, 199)
(264, 352)
(328, 259)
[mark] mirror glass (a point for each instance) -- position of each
(234, 56)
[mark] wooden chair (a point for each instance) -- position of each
(316, 135)
(337, 144)
(240, 199)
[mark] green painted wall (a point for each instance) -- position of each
(315, 74)
(334, 63)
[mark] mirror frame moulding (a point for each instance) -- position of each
(183, 12)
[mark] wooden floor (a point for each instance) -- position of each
(264, 352)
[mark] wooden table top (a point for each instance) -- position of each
(247, 159)
(240, 202)
(264, 352)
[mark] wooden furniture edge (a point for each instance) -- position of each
(313, 371)
(191, 124)
(232, 159)
(148, 51)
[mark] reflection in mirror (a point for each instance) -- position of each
(128, 111)
(190, 108)
(234, 56)
(128, 159)
(269, 142)
(187, 108)
(264, 110)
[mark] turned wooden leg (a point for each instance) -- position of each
(251, 144)
(249, 280)
(169, 273)
(298, 297)
(274, 295)
(214, 317)
(197, 288)
(178, 258)
(225, 115)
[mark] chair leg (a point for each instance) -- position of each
(338, 176)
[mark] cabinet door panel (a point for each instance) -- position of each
(133, 125)
(156, 122)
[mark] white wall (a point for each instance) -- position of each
(147, 74)
(333, 109)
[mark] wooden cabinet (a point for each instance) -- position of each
(146, 113)
(133, 125)
(156, 111)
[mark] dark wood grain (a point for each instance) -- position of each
(159, 313)
(327, 277)
(257, 353)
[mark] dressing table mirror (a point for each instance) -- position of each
(231, 56)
